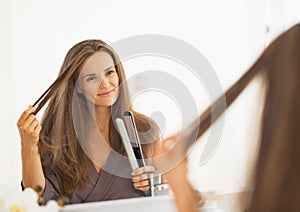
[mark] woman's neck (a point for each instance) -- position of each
(103, 117)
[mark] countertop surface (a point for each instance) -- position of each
(231, 202)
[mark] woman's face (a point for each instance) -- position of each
(99, 80)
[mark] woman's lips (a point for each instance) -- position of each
(106, 93)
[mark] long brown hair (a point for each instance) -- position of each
(59, 146)
(277, 170)
(277, 175)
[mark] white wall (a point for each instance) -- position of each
(10, 149)
(35, 36)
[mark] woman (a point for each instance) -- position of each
(276, 178)
(76, 151)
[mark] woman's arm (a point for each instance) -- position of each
(186, 197)
(29, 130)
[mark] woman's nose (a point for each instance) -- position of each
(104, 82)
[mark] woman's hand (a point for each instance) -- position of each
(140, 178)
(29, 128)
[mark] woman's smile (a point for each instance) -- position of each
(105, 93)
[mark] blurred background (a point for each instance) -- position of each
(36, 35)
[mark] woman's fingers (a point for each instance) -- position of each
(141, 182)
(30, 124)
(146, 188)
(140, 177)
(29, 121)
(33, 124)
(38, 128)
(25, 115)
(165, 145)
(144, 185)
(29, 127)
(142, 170)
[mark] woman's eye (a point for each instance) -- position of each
(91, 78)
(109, 72)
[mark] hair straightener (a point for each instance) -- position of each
(126, 142)
(134, 138)
(130, 139)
